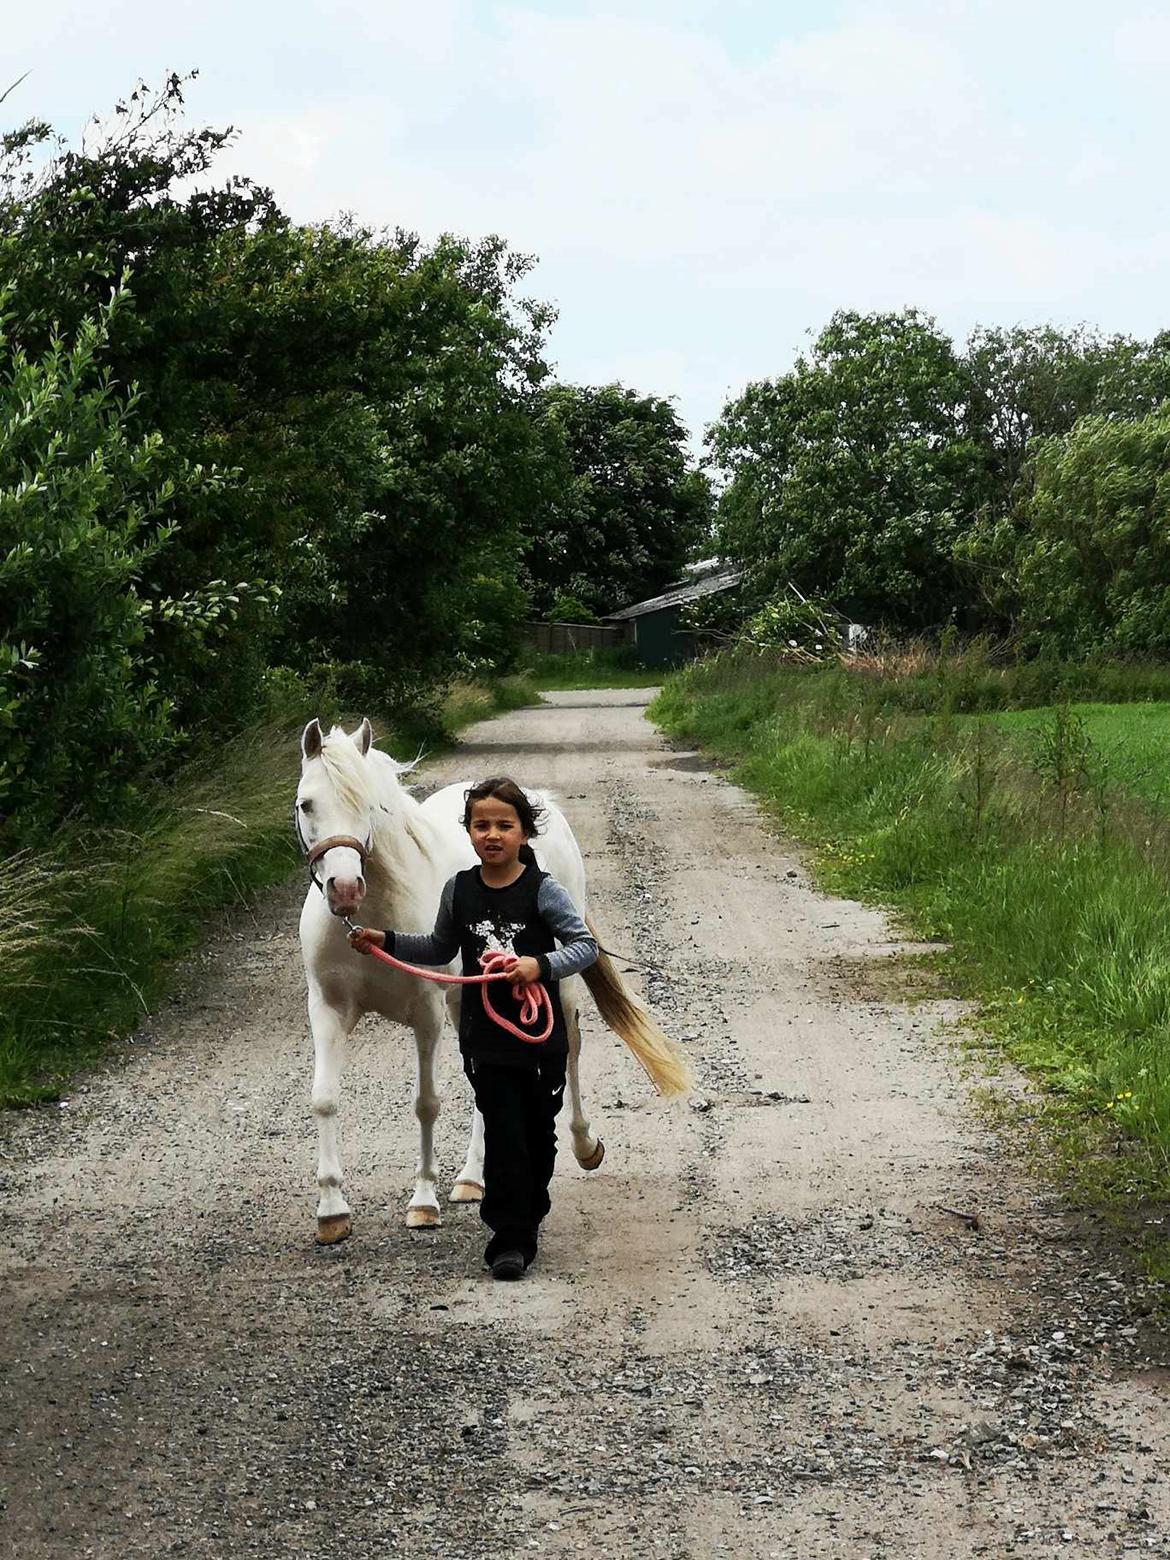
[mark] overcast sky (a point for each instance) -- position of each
(703, 182)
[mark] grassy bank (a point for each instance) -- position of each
(1034, 860)
(89, 931)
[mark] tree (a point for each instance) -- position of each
(370, 394)
(629, 506)
(852, 475)
(1085, 556)
(1035, 382)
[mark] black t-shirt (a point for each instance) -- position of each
(507, 920)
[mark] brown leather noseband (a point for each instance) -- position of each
(313, 853)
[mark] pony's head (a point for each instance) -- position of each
(334, 810)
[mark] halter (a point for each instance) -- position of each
(313, 853)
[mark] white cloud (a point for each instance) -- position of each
(1143, 41)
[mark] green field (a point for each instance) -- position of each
(1130, 741)
(582, 669)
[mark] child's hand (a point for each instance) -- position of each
(365, 940)
(524, 972)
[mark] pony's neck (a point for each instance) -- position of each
(404, 858)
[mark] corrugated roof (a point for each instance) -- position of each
(680, 595)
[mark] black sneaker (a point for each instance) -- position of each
(509, 1264)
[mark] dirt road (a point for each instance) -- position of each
(755, 1332)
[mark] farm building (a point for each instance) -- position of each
(656, 626)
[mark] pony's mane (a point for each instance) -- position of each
(348, 771)
(369, 786)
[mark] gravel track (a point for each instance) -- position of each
(755, 1332)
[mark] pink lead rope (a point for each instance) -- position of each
(495, 966)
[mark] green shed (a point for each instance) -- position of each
(656, 626)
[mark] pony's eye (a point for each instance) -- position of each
(306, 807)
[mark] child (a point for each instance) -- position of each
(507, 903)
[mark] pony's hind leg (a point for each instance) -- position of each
(330, 1031)
(588, 1149)
(422, 1211)
(468, 1184)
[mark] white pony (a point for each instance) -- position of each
(372, 846)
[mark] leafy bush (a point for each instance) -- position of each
(1091, 562)
(567, 608)
(328, 461)
(85, 509)
(810, 627)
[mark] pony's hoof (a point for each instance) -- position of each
(335, 1227)
(466, 1192)
(593, 1161)
(423, 1219)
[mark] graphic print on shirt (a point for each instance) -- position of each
(496, 935)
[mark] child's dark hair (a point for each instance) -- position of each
(503, 789)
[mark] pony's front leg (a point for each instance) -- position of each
(330, 1031)
(588, 1149)
(422, 1211)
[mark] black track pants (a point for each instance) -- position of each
(519, 1106)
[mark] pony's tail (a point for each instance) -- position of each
(661, 1060)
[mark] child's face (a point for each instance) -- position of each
(496, 832)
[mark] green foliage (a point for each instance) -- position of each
(567, 608)
(852, 475)
(337, 426)
(1036, 382)
(628, 507)
(86, 507)
(915, 486)
(786, 622)
(1088, 555)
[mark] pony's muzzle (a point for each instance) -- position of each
(345, 885)
(344, 895)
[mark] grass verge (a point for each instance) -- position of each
(1047, 878)
(90, 930)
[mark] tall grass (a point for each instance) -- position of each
(1048, 881)
(970, 677)
(98, 919)
(90, 929)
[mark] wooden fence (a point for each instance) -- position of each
(557, 638)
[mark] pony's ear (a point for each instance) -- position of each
(363, 736)
(312, 739)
